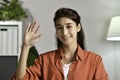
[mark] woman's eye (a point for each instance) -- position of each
(69, 27)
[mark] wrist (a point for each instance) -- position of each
(26, 46)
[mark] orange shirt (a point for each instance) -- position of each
(86, 66)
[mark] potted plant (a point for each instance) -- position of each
(11, 10)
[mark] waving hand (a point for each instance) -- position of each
(31, 34)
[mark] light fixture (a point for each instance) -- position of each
(114, 29)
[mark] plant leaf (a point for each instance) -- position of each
(6, 1)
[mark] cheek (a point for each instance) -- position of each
(57, 34)
(74, 33)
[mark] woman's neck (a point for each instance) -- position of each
(69, 48)
(68, 53)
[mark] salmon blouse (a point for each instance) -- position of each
(87, 65)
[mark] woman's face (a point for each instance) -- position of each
(66, 30)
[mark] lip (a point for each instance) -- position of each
(66, 38)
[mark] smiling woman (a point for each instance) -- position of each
(66, 30)
(70, 61)
(73, 16)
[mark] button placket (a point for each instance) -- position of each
(70, 69)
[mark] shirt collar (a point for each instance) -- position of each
(79, 53)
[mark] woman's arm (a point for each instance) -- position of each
(100, 73)
(30, 38)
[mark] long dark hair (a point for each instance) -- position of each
(73, 15)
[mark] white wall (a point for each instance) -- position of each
(96, 15)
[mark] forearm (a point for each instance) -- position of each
(30, 38)
(21, 67)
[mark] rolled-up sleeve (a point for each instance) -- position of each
(34, 71)
(100, 73)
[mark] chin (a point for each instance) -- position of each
(66, 43)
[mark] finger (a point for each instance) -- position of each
(32, 25)
(35, 39)
(35, 36)
(30, 28)
(38, 29)
(28, 25)
(39, 36)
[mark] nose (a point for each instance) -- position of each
(65, 31)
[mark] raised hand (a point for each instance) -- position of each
(31, 34)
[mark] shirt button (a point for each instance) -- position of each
(70, 69)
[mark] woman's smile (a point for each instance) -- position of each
(66, 38)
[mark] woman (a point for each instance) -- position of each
(70, 61)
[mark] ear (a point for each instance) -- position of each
(78, 28)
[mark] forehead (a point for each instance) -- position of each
(64, 21)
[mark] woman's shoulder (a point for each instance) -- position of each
(88, 54)
(92, 55)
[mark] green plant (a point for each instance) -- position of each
(33, 54)
(11, 10)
